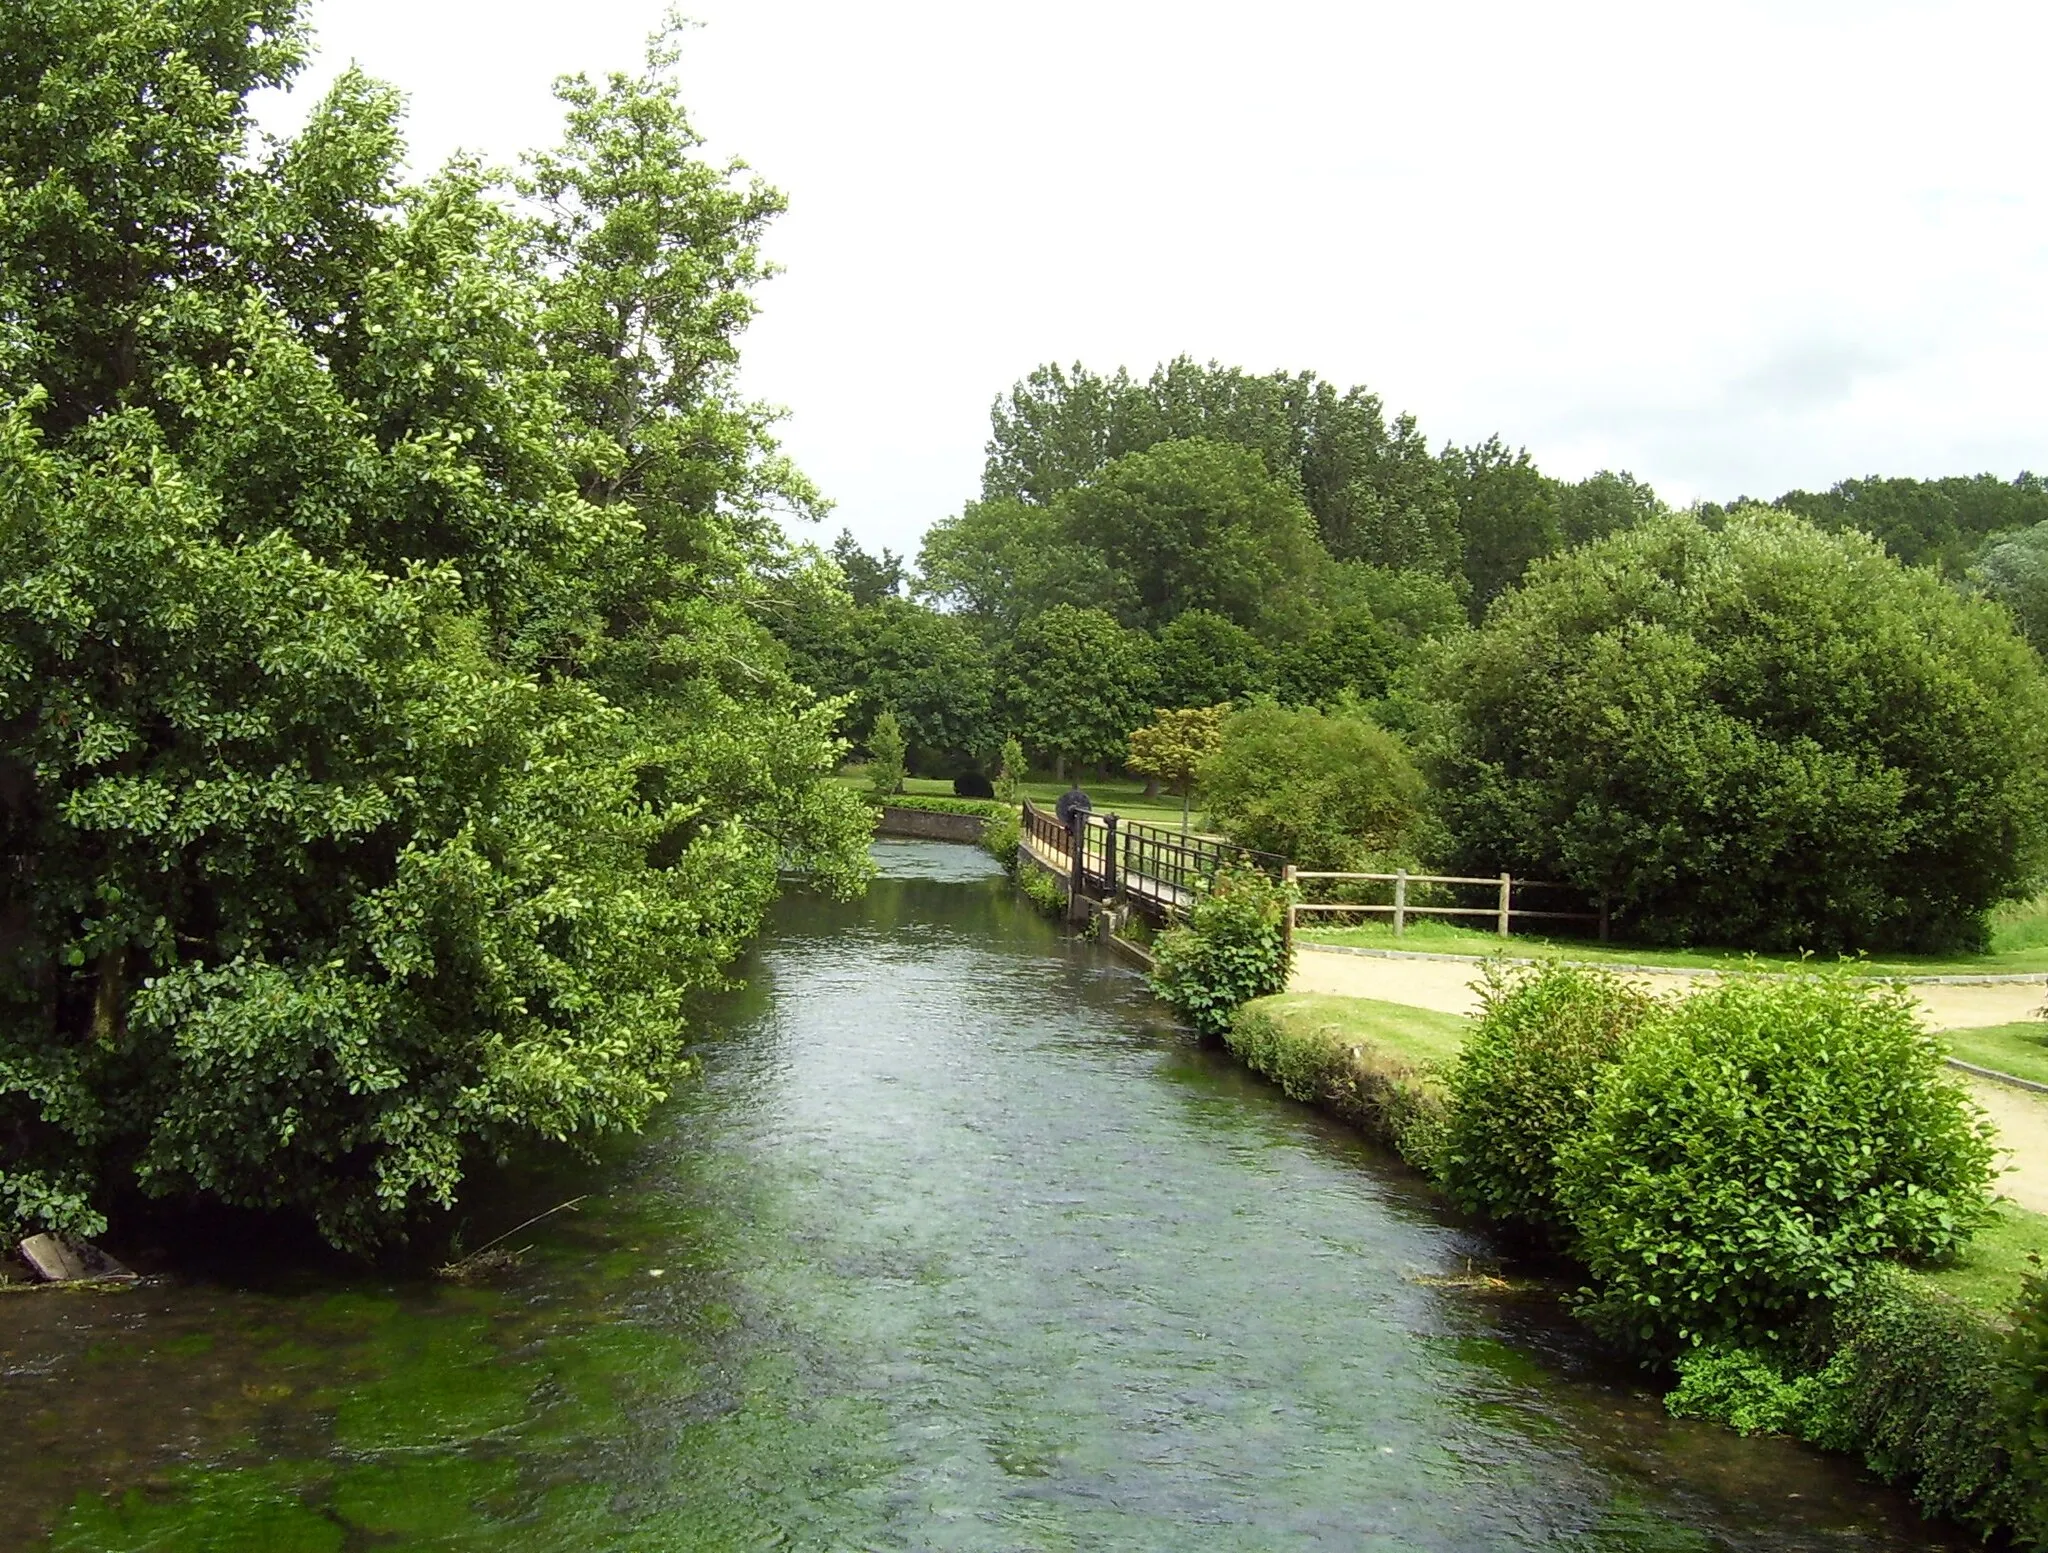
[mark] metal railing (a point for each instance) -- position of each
(1108, 855)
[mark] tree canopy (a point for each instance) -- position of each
(387, 748)
(1761, 734)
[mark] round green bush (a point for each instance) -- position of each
(1324, 790)
(1757, 735)
(1759, 1142)
(1232, 948)
(1523, 1084)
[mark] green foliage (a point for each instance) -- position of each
(2013, 569)
(1324, 790)
(1173, 746)
(1010, 774)
(885, 757)
(1761, 735)
(385, 743)
(1366, 1083)
(1939, 523)
(1203, 660)
(1524, 1082)
(2023, 1402)
(1002, 835)
(933, 803)
(1373, 487)
(1756, 1146)
(1509, 513)
(1233, 947)
(1078, 684)
(1744, 1388)
(1043, 891)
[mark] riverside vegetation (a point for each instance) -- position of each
(1759, 1185)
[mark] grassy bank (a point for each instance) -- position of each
(2019, 1049)
(2019, 946)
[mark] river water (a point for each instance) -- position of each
(957, 1244)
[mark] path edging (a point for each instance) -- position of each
(2016, 978)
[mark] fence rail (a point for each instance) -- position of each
(1503, 911)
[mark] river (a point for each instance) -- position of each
(957, 1244)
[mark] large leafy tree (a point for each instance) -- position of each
(1762, 735)
(387, 749)
(1078, 683)
(1509, 511)
(1940, 523)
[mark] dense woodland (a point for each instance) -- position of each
(1805, 723)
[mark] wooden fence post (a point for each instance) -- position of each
(1114, 880)
(1400, 901)
(1506, 885)
(1287, 879)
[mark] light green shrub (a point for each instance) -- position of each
(1523, 1084)
(1233, 948)
(1756, 1146)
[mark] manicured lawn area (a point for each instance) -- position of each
(2019, 1049)
(1418, 1034)
(1989, 1276)
(2019, 945)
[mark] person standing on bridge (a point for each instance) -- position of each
(1073, 807)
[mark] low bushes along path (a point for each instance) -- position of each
(1445, 984)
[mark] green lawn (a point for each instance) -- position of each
(2019, 945)
(1421, 1035)
(2021, 1049)
(1999, 1257)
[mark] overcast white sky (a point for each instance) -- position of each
(1730, 247)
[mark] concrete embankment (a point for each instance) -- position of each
(930, 824)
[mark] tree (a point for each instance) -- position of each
(933, 672)
(1940, 523)
(1762, 735)
(1509, 513)
(2014, 571)
(1203, 659)
(1010, 774)
(869, 579)
(1352, 655)
(1603, 504)
(885, 756)
(386, 751)
(1078, 683)
(1172, 747)
(1324, 790)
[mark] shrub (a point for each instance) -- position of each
(1523, 1084)
(1043, 891)
(972, 784)
(1233, 948)
(885, 757)
(1756, 1145)
(1002, 834)
(1010, 774)
(2023, 1405)
(1325, 790)
(1761, 735)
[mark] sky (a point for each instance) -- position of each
(1731, 248)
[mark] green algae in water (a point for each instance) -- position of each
(252, 1510)
(442, 1382)
(445, 1499)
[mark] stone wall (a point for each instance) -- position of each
(929, 825)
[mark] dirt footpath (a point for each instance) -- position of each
(1446, 986)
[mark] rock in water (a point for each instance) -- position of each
(57, 1260)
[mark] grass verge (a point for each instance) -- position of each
(2019, 946)
(2019, 1049)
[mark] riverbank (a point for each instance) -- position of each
(1923, 1381)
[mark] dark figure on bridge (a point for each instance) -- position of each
(1073, 807)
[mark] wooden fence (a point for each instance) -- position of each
(1502, 910)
